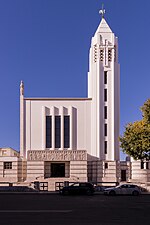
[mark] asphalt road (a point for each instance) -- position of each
(35, 209)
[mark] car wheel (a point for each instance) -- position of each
(135, 193)
(112, 193)
(65, 192)
(88, 192)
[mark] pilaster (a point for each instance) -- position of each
(22, 128)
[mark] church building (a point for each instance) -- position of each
(62, 137)
(76, 139)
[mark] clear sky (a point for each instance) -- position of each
(46, 44)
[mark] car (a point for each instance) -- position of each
(78, 188)
(124, 189)
(17, 189)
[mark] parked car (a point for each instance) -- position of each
(124, 189)
(78, 188)
(17, 189)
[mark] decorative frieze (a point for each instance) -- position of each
(57, 155)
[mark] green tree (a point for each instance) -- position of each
(136, 138)
(146, 111)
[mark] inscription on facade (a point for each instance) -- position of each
(57, 155)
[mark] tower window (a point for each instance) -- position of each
(105, 147)
(105, 77)
(109, 55)
(57, 132)
(105, 112)
(101, 55)
(105, 129)
(105, 95)
(106, 165)
(95, 53)
(66, 131)
(48, 131)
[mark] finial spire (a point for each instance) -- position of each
(21, 88)
(102, 11)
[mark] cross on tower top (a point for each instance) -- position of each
(102, 11)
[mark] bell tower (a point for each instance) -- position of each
(104, 89)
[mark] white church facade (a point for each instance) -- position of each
(76, 139)
(64, 134)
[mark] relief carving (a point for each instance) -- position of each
(57, 155)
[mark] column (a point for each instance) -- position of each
(62, 127)
(53, 128)
(70, 112)
(43, 127)
(22, 153)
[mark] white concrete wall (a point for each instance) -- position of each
(104, 39)
(87, 115)
(11, 175)
(35, 123)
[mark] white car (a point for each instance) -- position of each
(124, 189)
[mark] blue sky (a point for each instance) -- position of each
(46, 44)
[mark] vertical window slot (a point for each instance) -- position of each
(66, 131)
(105, 95)
(57, 131)
(105, 147)
(105, 77)
(105, 129)
(48, 131)
(105, 112)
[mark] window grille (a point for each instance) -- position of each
(7, 165)
(109, 55)
(101, 55)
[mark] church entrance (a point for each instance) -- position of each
(57, 169)
(123, 175)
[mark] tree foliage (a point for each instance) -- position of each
(136, 138)
(146, 111)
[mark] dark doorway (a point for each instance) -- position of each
(123, 175)
(57, 169)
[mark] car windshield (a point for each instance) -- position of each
(118, 186)
(76, 185)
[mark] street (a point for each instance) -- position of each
(45, 209)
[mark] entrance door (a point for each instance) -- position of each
(57, 169)
(123, 175)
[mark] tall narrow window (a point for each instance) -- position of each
(105, 129)
(142, 165)
(105, 147)
(48, 131)
(105, 95)
(105, 112)
(105, 77)
(106, 165)
(66, 131)
(57, 131)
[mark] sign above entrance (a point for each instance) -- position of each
(57, 155)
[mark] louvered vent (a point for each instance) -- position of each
(101, 55)
(109, 55)
(95, 53)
